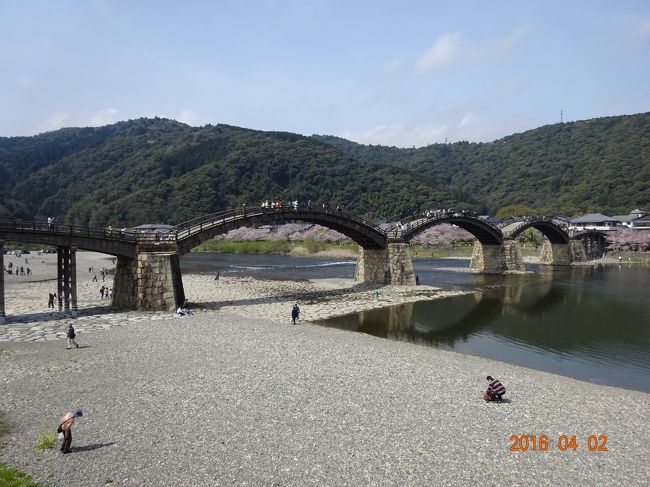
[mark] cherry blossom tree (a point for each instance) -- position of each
(628, 240)
(290, 231)
(444, 235)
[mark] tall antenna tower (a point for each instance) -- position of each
(561, 116)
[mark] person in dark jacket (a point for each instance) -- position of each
(295, 313)
(71, 337)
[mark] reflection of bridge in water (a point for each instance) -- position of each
(448, 320)
(148, 273)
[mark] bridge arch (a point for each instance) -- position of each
(192, 233)
(483, 231)
(553, 232)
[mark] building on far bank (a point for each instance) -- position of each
(594, 221)
(636, 219)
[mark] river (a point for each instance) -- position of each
(591, 323)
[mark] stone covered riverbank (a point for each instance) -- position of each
(236, 395)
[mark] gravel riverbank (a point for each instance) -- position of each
(224, 399)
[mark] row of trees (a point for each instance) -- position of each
(444, 235)
(628, 240)
(439, 236)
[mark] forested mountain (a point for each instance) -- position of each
(598, 165)
(158, 170)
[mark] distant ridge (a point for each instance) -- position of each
(160, 170)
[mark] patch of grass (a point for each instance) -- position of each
(46, 441)
(10, 477)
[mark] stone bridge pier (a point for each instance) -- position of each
(563, 254)
(392, 265)
(498, 258)
(151, 282)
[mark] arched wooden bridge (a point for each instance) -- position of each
(143, 257)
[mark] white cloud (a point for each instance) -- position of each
(59, 120)
(54, 122)
(468, 119)
(509, 40)
(399, 135)
(442, 54)
(640, 31)
(103, 117)
(190, 118)
(453, 48)
(392, 65)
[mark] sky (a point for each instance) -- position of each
(403, 73)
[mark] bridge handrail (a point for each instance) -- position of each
(185, 229)
(65, 229)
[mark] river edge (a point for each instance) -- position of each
(291, 405)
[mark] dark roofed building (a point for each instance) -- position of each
(594, 221)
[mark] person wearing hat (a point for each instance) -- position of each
(295, 313)
(66, 428)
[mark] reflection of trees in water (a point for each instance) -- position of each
(442, 321)
(561, 310)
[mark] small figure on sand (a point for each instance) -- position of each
(65, 427)
(495, 390)
(295, 313)
(50, 300)
(71, 337)
(216, 278)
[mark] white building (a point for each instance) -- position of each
(594, 221)
(636, 219)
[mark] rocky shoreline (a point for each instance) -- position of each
(235, 395)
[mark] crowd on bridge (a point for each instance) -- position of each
(294, 205)
(447, 212)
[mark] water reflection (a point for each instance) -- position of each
(591, 323)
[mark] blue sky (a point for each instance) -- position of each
(405, 73)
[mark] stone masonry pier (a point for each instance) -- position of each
(500, 258)
(392, 265)
(152, 282)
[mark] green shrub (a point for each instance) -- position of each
(11, 477)
(46, 441)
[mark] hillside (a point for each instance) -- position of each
(157, 170)
(151, 170)
(598, 165)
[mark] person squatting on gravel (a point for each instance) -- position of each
(295, 313)
(71, 337)
(495, 390)
(65, 427)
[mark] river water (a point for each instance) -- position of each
(591, 323)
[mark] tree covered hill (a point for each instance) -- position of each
(151, 170)
(598, 165)
(158, 170)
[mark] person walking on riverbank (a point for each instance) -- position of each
(495, 389)
(71, 337)
(295, 313)
(65, 427)
(50, 300)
